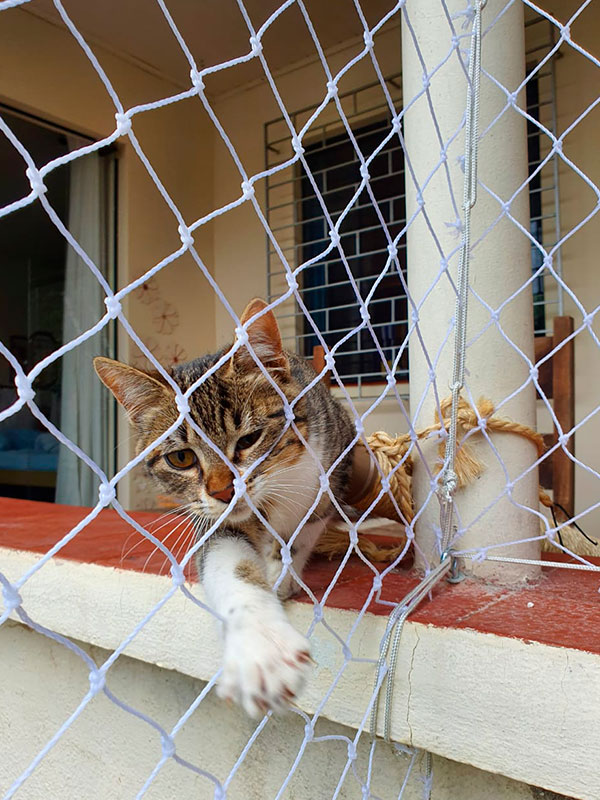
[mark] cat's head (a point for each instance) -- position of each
(238, 409)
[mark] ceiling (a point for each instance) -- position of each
(214, 30)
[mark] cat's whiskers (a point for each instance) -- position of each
(186, 517)
(173, 548)
(174, 512)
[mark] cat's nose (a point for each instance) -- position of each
(225, 494)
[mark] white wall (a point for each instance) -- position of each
(108, 754)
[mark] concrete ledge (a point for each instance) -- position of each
(521, 708)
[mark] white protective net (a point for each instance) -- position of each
(426, 255)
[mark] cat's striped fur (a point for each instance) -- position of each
(244, 416)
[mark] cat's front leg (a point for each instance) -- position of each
(301, 548)
(265, 659)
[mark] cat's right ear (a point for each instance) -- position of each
(135, 390)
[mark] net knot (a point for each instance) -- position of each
(351, 751)
(368, 40)
(97, 680)
(168, 746)
(358, 424)
(12, 599)
(324, 482)
(182, 404)
(239, 486)
(534, 372)
(197, 80)
(256, 45)
(106, 494)
(449, 484)
(377, 583)
(330, 361)
(364, 172)
(563, 439)
(241, 335)
(308, 732)
(512, 99)
(391, 379)
(113, 307)
(557, 147)
(36, 182)
(414, 316)
(286, 556)
(420, 201)
(588, 319)
(332, 89)
(247, 189)
(177, 575)
(24, 388)
(297, 146)
(291, 281)
(123, 124)
(426, 81)
(318, 613)
(185, 235)
(335, 237)
(392, 250)
(364, 314)
(396, 125)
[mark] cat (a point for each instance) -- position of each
(265, 660)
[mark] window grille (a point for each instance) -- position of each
(298, 221)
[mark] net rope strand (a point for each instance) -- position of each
(384, 666)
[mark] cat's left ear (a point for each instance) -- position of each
(264, 338)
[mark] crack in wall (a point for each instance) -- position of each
(409, 680)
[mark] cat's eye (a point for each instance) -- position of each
(181, 459)
(244, 442)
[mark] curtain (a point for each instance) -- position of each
(84, 401)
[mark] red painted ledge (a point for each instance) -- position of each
(563, 609)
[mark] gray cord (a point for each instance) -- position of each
(448, 482)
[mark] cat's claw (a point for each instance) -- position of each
(266, 662)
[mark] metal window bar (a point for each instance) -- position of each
(286, 207)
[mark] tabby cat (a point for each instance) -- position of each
(240, 411)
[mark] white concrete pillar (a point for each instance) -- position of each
(500, 264)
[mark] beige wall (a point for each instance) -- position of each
(240, 238)
(108, 754)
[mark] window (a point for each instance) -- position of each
(50, 297)
(301, 227)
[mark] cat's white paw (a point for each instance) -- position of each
(266, 662)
